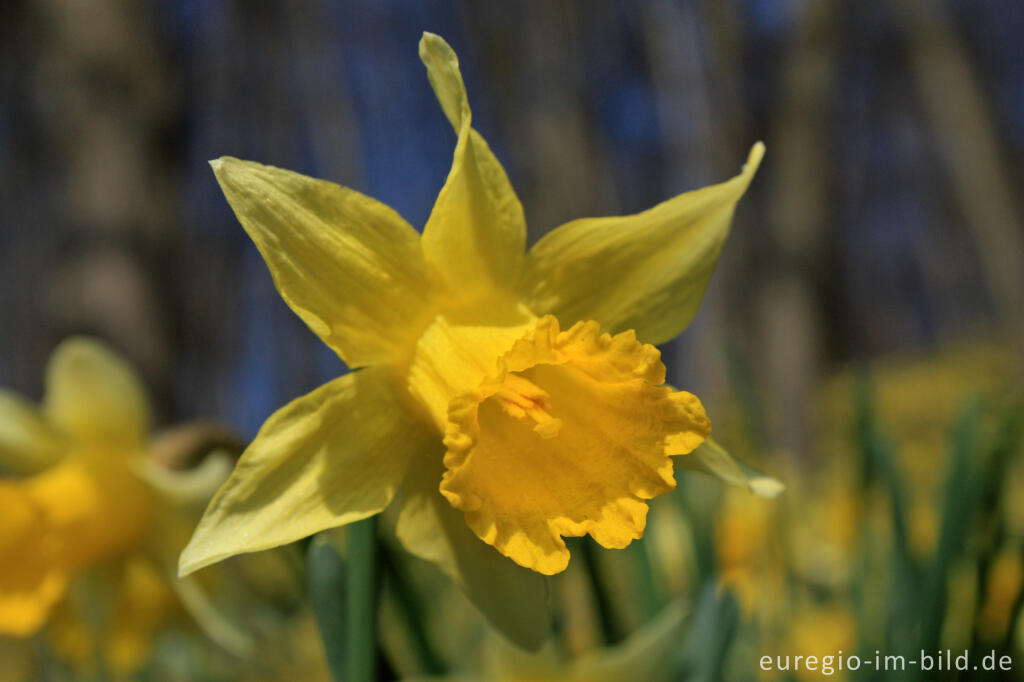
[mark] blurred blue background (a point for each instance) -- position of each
(886, 217)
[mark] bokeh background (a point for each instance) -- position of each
(873, 282)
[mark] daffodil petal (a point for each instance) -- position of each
(349, 266)
(329, 458)
(96, 509)
(646, 272)
(476, 233)
(711, 458)
(445, 78)
(208, 597)
(513, 599)
(145, 601)
(32, 580)
(28, 444)
(94, 396)
(211, 619)
(193, 486)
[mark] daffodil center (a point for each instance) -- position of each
(549, 433)
(78, 512)
(457, 351)
(568, 433)
(93, 509)
(521, 398)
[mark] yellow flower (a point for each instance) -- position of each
(85, 504)
(1005, 580)
(820, 631)
(83, 497)
(503, 396)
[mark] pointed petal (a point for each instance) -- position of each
(445, 78)
(93, 395)
(211, 619)
(476, 234)
(187, 487)
(27, 443)
(331, 457)
(216, 598)
(646, 271)
(711, 458)
(513, 599)
(349, 266)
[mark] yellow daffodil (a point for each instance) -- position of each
(85, 495)
(504, 397)
(85, 504)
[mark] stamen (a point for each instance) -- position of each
(520, 397)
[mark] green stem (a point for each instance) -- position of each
(406, 599)
(646, 578)
(362, 591)
(326, 577)
(603, 604)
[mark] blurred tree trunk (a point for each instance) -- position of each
(789, 325)
(101, 98)
(954, 104)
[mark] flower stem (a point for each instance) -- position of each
(326, 576)
(405, 597)
(362, 591)
(602, 602)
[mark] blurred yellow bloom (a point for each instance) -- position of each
(745, 541)
(490, 400)
(83, 497)
(88, 505)
(820, 631)
(1003, 585)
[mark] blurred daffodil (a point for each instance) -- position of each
(86, 495)
(821, 631)
(502, 396)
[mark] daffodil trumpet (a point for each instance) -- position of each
(501, 398)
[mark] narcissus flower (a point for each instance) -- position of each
(505, 398)
(84, 495)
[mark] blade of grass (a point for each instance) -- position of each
(879, 468)
(713, 628)
(1005, 445)
(959, 509)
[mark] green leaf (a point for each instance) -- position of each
(713, 628)
(711, 458)
(327, 580)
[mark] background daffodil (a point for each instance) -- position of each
(91, 524)
(502, 396)
(81, 502)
